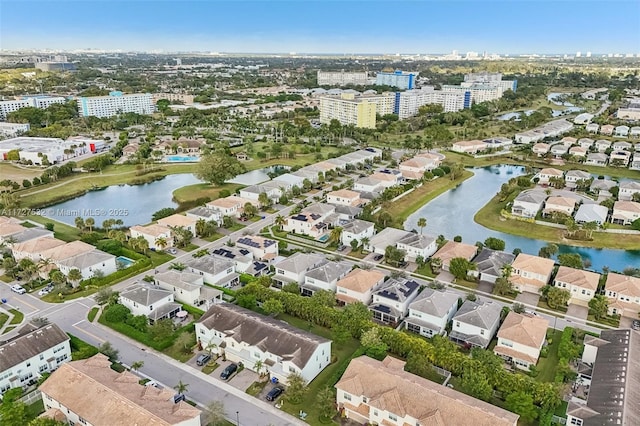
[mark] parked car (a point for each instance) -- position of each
(203, 359)
(275, 393)
(378, 257)
(17, 288)
(341, 247)
(45, 290)
(635, 324)
(227, 372)
(172, 251)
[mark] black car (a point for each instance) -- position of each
(378, 257)
(275, 393)
(635, 325)
(227, 372)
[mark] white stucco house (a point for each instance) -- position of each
(475, 323)
(154, 303)
(358, 286)
(357, 230)
(392, 299)
(520, 339)
(431, 311)
(582, 285)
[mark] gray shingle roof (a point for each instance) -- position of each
(591, 213)
(417, 240)
(210, 264)
(356, 226)
(330, 272)
(535, 197)
(434, 302)
(268, 334)
(30, 234)
(145, 295)
(28, 343)
(183, 280)
(491, 261)
(300, 262)
(480, 314)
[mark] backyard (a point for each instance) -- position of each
(547, 366)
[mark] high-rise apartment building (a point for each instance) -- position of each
(37, 101)
(399, 79)
(342, 78)
(359, 111)
(408, 103)
(115, 103)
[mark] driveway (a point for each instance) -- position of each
(243, 379)
(528, 298)
(578, 311)
(485, 286)
(263, 394)
(445, 277)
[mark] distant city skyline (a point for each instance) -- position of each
(308, 26)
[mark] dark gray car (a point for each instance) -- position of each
(227, 372)
(203, 359)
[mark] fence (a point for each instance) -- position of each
(31, 397)
(307, 241)
(559, 420)
(444, 373)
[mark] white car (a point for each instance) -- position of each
(44, 291)
(18, 289)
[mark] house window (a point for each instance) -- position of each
(482, 332)
(291, 369)
(375, 413)
(577, 422)
(346, 396)
(41, 357)
(457, 323)
(393, 417)
(81, 420)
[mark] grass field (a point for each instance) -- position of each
(18, 317)
(92, 313)
(203, 190)
(3, 318)
(547, 366)
(18, 174)
(61, 231)
(489, 217)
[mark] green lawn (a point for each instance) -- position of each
(18, 317)
(547, 366)
(178, 352)
(6, 278)
(3, 318)
(92, 313)
(210, 367)
(35, 409)
(61, 231)
(8, 329)
(214, 237)
(256, 388)
(203, 190)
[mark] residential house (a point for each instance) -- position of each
(520, 339)
(34, 351)
(573, 176)
(358, 286)
(248, 337)
(607, 129)
(415, 168)
(585, 143)
(452, 250)
(592, 213)
(179, 221)
(568, 141)
(597, 159)
(381, 392)
(271, 188)
(490, 264)
(619, 158)
(232, 206)
(564, 205)
(391, 301)
(469, 147)
(358, 230)
(368, 184)
(295, 267)
(431, 311)
(188, 288)
(8, 229)
(345, 213)
(625, 212)
(262, 248)
(559, 150)
(88, 263)
(417, 246)
(602, 145)
(545, 175)
(622, 131)
(90, 392)
(344, 197)
(475, 323)
(635, 132)
(530, 273)
(628, 189)
(528, 203)
(214, 270)
(612, 398)
(578, 151)
(603, 187)
(435, 159)
(623, 292)
(154, 303)
(205, 213)
(387, 237)
(153, 234)
(387, 178)
(582, 285)
(28, 235)
(635, 164)
(288, 180)
(622, 146)
(583, 118)
(310, 221)
(592, 127)
(324, 277)
(541, 148)
(33, 249)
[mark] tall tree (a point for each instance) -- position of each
(599, 306)
(422, 222)
(218, 167)
(181, 387)
(522, 403)
(215, 413)
(326, 403)
(296, 388)
(75, 276)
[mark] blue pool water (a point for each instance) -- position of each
(182, 159)
(125, 261)
(324, 238)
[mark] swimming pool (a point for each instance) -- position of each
(124, 262)
(182, 159)
(324, 238)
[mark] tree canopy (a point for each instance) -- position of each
(218, 167)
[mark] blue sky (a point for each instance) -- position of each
(329, 26)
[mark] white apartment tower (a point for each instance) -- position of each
(342, 78)
(115, 103)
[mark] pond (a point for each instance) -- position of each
(452, 214)
(134, 204)
(257, 176)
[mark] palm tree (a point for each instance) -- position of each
(215, 414)
(507, 270)
(137, 365)
(590, 227)
(258, 367)
(365, 242)
(161, 242)
(263, 199)
(436, 264)
(181, 388)
(90, 222)
(384, 218)
(43, 265)
(28, 268)
(422, 222)
(79, 223)
(280, 221)
(201, 228)
(75, 276)
(57, 278)
(335, 234)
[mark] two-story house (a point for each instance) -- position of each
(603, 187)
(431, 311)
(417, 245)
(358, 286)
(573, 176)
(205, 213)
(232, 206)
(392, 299)
(581, 284)
(154, 303)
(625, 212)
(294, 268)
(490, 264)
(188, 288)
(247, 337)
(89, 392)
(214, 270)
(324, 277)
(25, 357)
(357, 230)
(383, 393)
(262, 248)
(592, 213)
(528, 203)
(158, 237)
(520, 339)
(179, 221)
(628, 189)
(311, 221)
(597, 159)
(344, 197)
(541, 148)
(585, 143)
(273, 189)
(546, 174)
(242, 259)
(475, 323)
(530, 273)
(564, 205)
(33, 249)
(387, 237)
(602, 145)
(452, 250)
(623, 292)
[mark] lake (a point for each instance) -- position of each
(452, 214)
(257, 176)
(134, 204)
